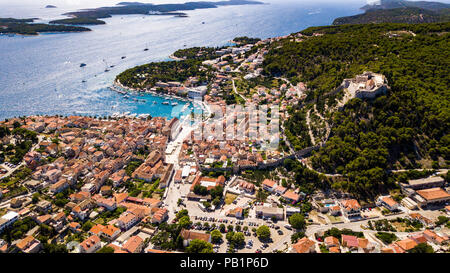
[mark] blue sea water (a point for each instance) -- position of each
(42, 74)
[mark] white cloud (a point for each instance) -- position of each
(373, 2)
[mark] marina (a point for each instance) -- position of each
(83, 80)
(179, 107)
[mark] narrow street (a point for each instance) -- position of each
(356, 226)
(237, 93)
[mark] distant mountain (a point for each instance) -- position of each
(394, 4)
(398, 15)
(399, 11)
(124, 8)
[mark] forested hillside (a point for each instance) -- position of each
(27, 27)
(406, 128)
(398, 15)
(394, 4)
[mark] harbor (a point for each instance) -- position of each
(146, 103)
(153, 99)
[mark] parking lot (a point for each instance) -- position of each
(207, 221)
(279, 233)
(371, 213)
(6, 169)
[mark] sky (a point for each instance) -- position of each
(96, 3)
(79, 4)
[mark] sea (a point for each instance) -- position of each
(42, 74)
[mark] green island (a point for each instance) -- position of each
(78, 21)
(126, 8)
(92, 16)
(27, 27)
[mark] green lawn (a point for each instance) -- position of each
(229, 198)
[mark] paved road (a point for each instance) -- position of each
(280, 244)
(356, 226)
(237, 93)
(10, 170)
(6, 203)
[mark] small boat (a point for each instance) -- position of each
(145, 49)
(154, 102)
(83, 81)
(82, 65)
(123, 57)
(126, 96)
(106, 66)
(111, 66)
(165, 103)
(203, 23)
(174, 103)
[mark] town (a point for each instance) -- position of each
(147, 185)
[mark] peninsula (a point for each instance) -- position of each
(399, 11)
(28, 27)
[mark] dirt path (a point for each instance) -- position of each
(308, 122)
